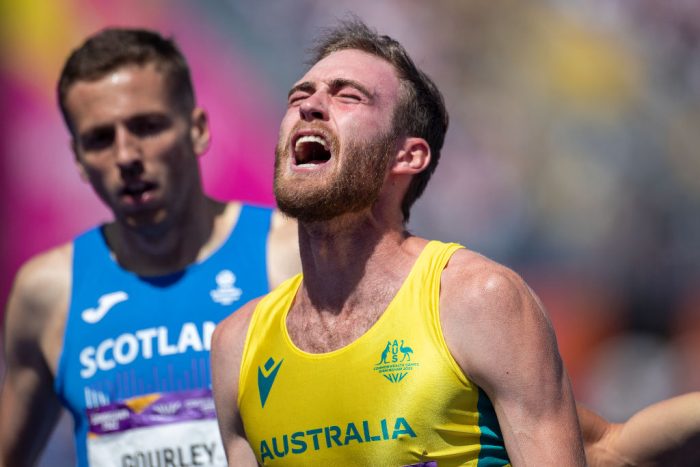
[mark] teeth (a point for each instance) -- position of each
(310, 139)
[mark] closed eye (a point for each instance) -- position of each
(296, 98)
(350, 90)
(350, 97)
(299, 92)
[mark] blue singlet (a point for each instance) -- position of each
(134, 369)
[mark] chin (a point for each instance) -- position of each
(146, 219)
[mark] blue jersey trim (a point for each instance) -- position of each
(493, 452)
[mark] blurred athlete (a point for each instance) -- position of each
(117, 324)
(390, 349)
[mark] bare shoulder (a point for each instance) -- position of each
(498, 333)
(487, 312)
(38, 302)
(283, 249)
(474, 285)
(229, 335)
(227, 345)
(42, 280)
(283, 223)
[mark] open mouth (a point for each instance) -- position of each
(138, 191)
(310, 150)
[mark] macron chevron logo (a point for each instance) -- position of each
(266, 376)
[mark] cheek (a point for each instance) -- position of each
(167, 155)
(174, 166)
(287, 125)
(361, 124)
(102, 181)
(97, 172)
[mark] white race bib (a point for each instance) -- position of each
(156, 430)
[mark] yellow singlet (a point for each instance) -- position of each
(393, 397)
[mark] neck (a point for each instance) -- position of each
(172, 245)
(343, 259)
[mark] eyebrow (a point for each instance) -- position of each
(130, 118)
(306, 86)
(93, 129)
(335, 85)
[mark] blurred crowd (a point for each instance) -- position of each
(573, 159)
(572, 156)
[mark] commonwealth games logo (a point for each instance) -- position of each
(226, 291)
(395, 361)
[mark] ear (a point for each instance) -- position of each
(78, 161)
(199, 131)
(413, 157)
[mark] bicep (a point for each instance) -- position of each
(533, 398)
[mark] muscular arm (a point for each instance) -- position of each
(226, 354)
(33, 329)
(665, 433)
(500, 336)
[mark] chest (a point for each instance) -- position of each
(319, 333)
(373, 401)
(127, 335)
(317, 330)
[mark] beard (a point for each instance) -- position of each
(354, 186)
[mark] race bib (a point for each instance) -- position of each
(163, 429)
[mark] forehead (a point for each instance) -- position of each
(125, 91)
(371, 71)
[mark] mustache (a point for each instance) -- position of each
(315, 127)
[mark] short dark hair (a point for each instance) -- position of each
(421, 109)
(113, 48)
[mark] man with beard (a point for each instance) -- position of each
(391, 349)
(117, 324)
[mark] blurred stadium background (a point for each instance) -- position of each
(572, 157)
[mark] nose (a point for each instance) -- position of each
(128, 153)
(314, 107)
